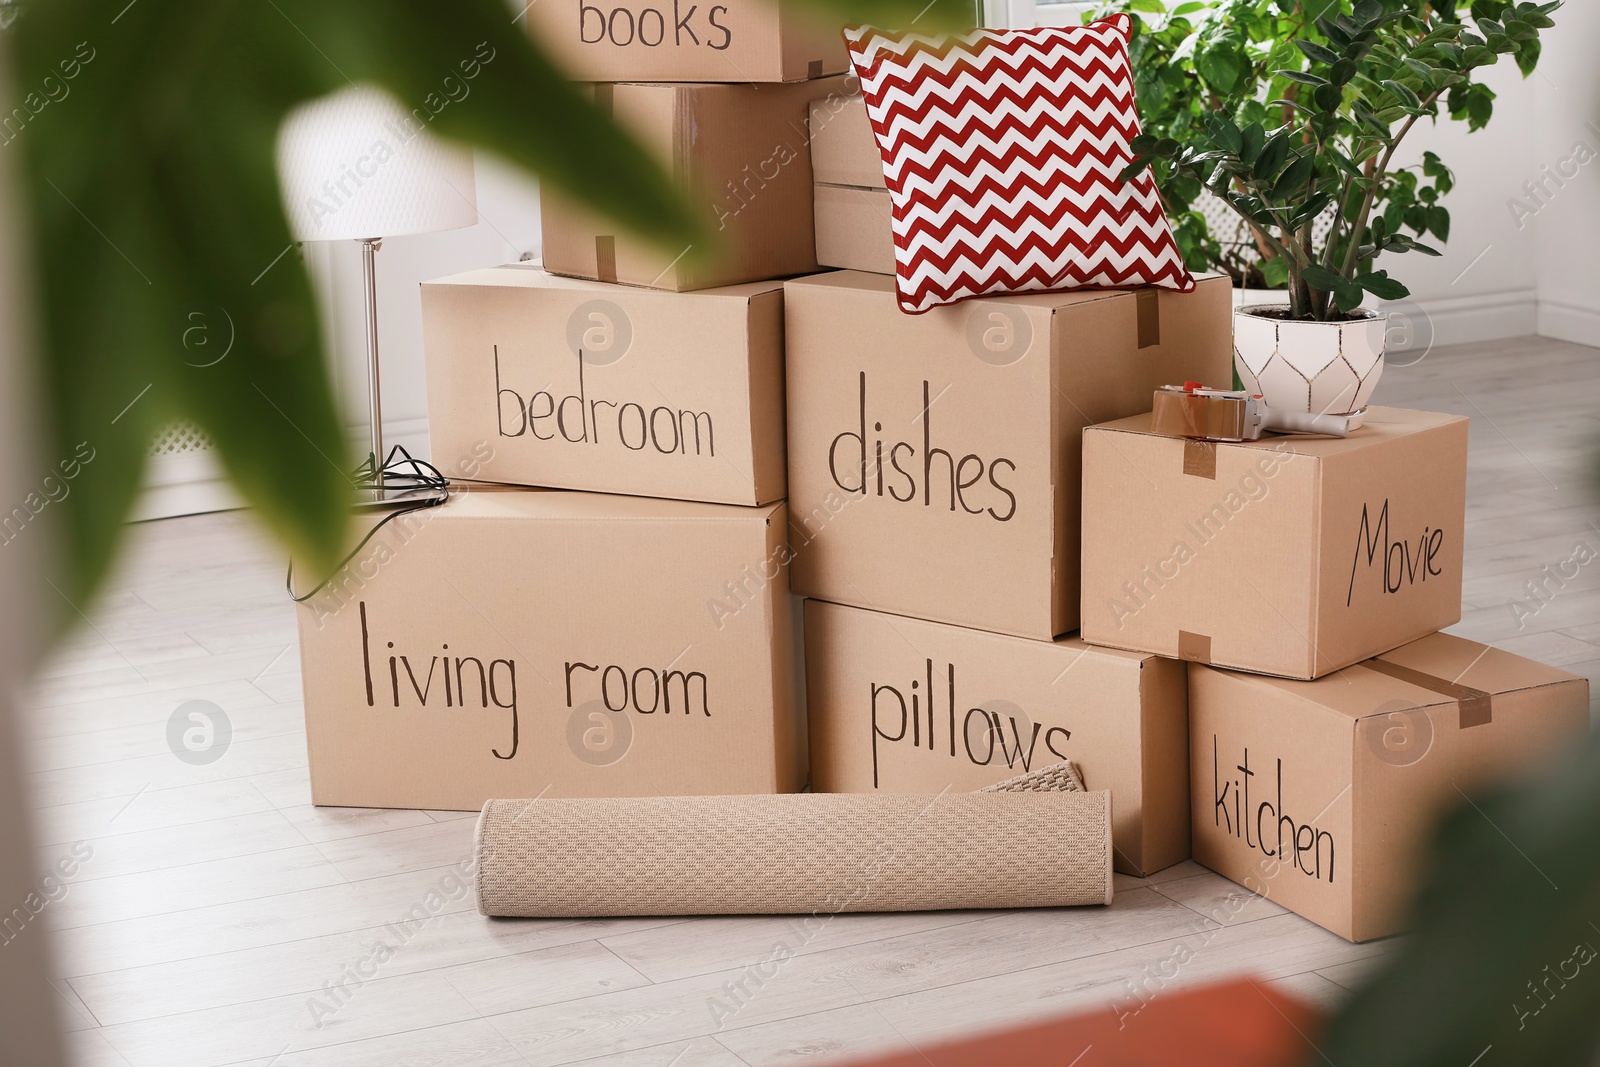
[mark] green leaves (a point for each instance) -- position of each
(1331, 89)
(170, 284)
(1317, 52)
(1380, 285)
(1512, 892)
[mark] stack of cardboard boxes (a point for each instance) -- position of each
(626, 628)
(963, 488)
(1284, 701)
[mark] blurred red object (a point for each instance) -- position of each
(1236, 1024)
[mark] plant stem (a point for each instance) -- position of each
(1358, 228)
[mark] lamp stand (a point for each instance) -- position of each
(369, 275)
(408, 484)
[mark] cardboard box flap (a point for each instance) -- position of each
(561, 506)
(1472, 666)
(1382, 425)
(532, 276)
(1436, 670)
(884, 283)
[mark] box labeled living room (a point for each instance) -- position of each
(448, 663)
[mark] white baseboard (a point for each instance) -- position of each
(1568, 322)
(192, 483)
(1461, 319)
(183, 483)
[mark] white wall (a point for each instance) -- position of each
(1567, 129)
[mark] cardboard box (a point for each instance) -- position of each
(559, 382)
(843, 149)
(685, 41)
(742, 155)
(853, 228)
(1321, 795)
(536, 642)
(1292, 556)
(889, 412)
(853, 213)
(899, 705)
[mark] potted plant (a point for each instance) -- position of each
(1376, 72)
(1195, 59)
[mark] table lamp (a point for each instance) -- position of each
(356, 165)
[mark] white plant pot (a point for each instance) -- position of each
(1323, 368)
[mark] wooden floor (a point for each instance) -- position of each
(218, 907)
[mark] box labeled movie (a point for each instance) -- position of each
(899, 705)
(742, 155)
(538, 642)
(574, 384)
(1291, 555)
(853, 212)
(687, 40)
(934, 460)
(1320, 795)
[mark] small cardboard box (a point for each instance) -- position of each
(528, 642)
(560, 382)
(899, 705)
(742, 155)
(934, 460)
(853, 228)
(1321, 795)
(853, 213)
(1292, 556)
(687, 40)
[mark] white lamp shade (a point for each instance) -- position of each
(356, 164)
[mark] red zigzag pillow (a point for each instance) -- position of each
(1002, 150)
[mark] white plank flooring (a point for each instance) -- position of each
(218, 904)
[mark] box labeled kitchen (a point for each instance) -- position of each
(742, 155)
(1291, 555)
(552, 381)
(1320, 795)
(934, 459)
(528, 642)
(853, 211)
(687, 40)
(899, 705)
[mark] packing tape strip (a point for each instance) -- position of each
(1148, 304)
(605, 258)
(814, 70)
(793, 853)
(1476, 705)
(1200, 459)
(1194, 648)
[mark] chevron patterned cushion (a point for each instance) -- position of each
(1002, 150)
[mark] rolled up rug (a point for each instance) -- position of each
(795, 853)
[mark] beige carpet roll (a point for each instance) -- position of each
(794, 853)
